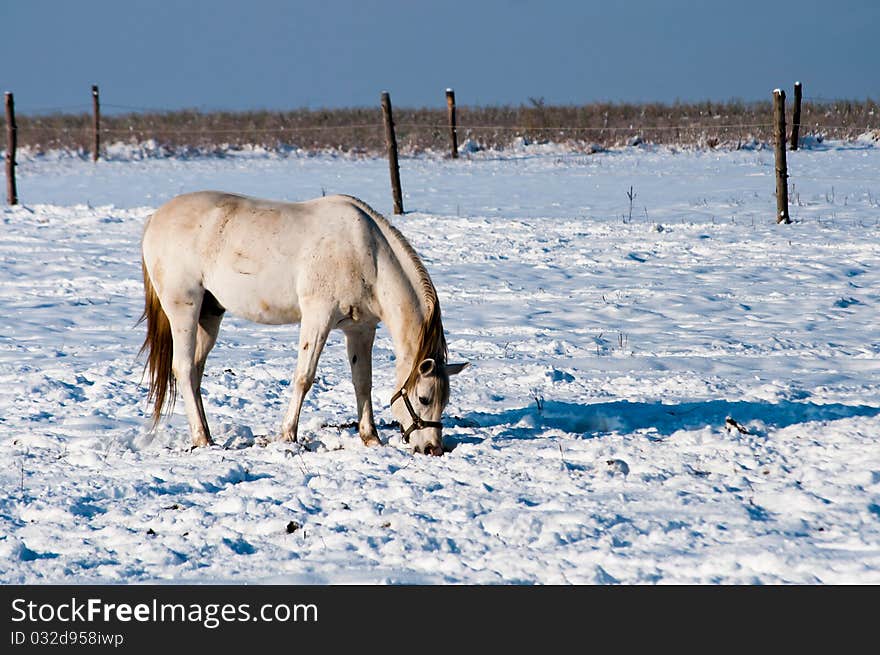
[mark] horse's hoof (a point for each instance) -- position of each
(371, 440)
(430, 449)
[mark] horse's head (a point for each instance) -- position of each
(419, 405)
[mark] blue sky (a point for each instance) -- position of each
(247, 54)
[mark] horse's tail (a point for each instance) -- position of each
(159, 348)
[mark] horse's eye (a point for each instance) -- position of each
(423, 400)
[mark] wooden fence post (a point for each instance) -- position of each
(11, 144)
(453, 136)
(796, 116)
(391, 142)
(781, 167)
(96, 111)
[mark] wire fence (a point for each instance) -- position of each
(360, 130)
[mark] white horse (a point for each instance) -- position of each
(326, 263)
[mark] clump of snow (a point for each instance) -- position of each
(520, 143)
(469, 146)
(808, 141)
(135, 150)
(750, 143)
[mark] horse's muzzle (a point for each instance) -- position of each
(418, 423)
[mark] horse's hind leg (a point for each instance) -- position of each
(183, 315)
(360, 356)
(312, 337)
(210, 316)
(206, 337)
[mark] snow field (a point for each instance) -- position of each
(588, 441)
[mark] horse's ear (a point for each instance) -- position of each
(455, 369)
(426, 367)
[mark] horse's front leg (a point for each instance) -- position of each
(360, 356)
(312, 337)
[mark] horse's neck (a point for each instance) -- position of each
(406, 295)
(404, 311)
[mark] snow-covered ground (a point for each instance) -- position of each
(588, 440)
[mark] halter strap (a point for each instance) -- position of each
(418, 423)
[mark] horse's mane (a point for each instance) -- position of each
(432, 341)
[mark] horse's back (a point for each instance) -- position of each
(259, 258)
(201, 217)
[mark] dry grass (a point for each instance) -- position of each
(359, 131)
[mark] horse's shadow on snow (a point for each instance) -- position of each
(657, 419)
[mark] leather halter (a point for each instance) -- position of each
(418, 423)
